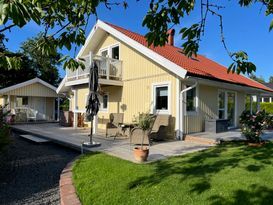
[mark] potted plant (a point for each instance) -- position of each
(253, 125)
(141, 152)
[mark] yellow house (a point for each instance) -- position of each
(136, 78)
(32, 100)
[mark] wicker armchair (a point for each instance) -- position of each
(158, 131)
(112, 127)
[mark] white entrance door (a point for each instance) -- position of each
(38, 104)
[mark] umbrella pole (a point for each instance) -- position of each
(91, 132)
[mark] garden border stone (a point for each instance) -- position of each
(68, 194)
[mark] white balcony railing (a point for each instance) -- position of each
(109, 68)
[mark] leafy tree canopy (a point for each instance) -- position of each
(65, 22)
(256, 78)
(46, 65)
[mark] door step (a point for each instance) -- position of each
(200, 140)
(34, 138)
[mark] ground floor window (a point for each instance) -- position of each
(104, 102)
(161, 94)
(191, 100)
(21, 101)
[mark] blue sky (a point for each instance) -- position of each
(245, 29)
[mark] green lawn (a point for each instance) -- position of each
(226, 174)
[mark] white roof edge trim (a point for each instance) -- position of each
(61, 85)
(26, 83)
(169, 65)
(87, 40)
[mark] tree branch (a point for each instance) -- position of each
(7, 28)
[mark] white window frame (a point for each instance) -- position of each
(196, 112)
(109, 49)
(153, 97)
(226, 105)
(105, 110)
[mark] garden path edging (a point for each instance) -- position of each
(68, 194)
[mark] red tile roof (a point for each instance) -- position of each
(199, 66)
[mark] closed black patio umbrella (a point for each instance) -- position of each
(93, 103)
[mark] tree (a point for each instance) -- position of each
(256, 78)
(271, 79)
(46, 65)
(65, 22)
(9, 77)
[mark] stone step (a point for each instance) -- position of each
(200, 140)
(34, 138)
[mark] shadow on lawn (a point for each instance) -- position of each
(259, 195)
(202, 166)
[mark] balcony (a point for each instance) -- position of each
(110, 71)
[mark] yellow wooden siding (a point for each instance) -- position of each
(208, 108)
(35, 89)
(139, 74)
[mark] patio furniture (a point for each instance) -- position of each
(126, 129)
(160, 128)
(216, 125)
(158, 131)
(31, 114)
(112, 127)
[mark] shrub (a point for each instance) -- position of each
(4, 129)
(253, 125)
(267, 106)
(4, 137)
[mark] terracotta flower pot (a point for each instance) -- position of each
(141, 155)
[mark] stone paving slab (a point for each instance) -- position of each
(121, 148)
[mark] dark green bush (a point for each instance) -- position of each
(4, 129)
(4, 137)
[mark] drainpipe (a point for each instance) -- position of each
(181, 110)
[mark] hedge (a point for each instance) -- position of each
(267, 106)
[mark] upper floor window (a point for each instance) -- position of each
(104, 53)
(115, 52)
(191, 100)
(161, 98)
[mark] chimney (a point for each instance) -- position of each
(171, 33)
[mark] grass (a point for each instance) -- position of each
(227, 174)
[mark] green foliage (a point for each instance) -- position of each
(241, 63)
(267, 106)
(144, 120)
(4, 128)
(65, 22)
(253, 125)
(256, 78)
(232, 173)
(64, 105)
(46, 65)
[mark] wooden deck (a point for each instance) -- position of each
(73, 138)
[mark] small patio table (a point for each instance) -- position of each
(127, 127)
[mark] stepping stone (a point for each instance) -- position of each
(34, 138)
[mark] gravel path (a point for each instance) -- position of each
(29, 172)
